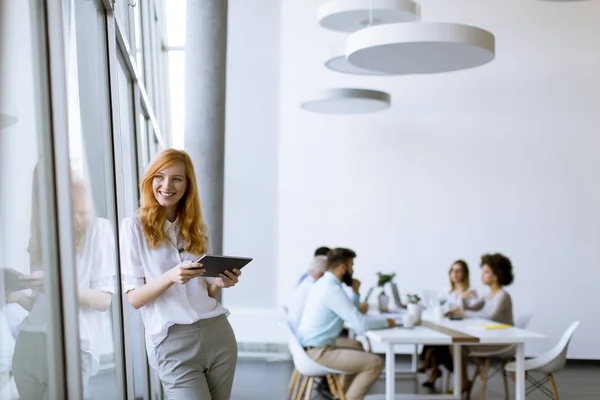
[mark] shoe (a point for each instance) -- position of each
(433, 377)
(323, 390)
(427, 362)
(466, 390)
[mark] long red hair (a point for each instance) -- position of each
(193, 228)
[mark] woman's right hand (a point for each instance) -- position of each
(185, 271)
(469, 294)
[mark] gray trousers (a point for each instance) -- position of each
(197, 361)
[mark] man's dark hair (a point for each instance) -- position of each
(339, 256)
(500, 266)
(322, 251)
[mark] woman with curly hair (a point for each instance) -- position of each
(188, 338)
(496, 273)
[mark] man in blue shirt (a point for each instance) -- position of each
(327, 309)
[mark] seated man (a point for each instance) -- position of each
(327, 308)
(296, 307)
(321, 253)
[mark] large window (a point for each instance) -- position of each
(30, 312)
(70, 161)
(93, 207)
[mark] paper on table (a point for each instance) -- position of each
(491, 326)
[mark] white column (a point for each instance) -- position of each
(205, 77)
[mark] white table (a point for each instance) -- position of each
(412, 350)
(471, 327)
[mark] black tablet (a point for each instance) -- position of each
(214, 265)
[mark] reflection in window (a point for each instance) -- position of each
(94, 246)
(25, 324)
(92, 202)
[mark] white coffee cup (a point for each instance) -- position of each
(408, 320)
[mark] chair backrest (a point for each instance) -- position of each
(523, 320)
(303, 363)
(556, 358)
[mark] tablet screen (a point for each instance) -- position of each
(214, 265)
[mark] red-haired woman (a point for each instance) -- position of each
(188, 338)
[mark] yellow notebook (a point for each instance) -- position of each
(496, 326)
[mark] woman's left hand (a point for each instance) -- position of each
(228, 279)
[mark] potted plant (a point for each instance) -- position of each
(383, 299)
(414, 306)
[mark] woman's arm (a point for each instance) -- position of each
(471, 302)
(97, 294)
(24, 300)
(213, 290)
(474, 305)
(92, 298)
(495, 308)
(150, 291)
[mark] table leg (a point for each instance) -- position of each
(457, 370)
(520, 373)
(415, 357)
(390, 373)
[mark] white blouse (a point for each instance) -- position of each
(450, 300)
(180, 304)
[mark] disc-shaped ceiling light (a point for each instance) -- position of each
(340, 64)
(352, 15)
(420, 48)
(6, 120)
(346, 101)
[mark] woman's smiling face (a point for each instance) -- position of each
(170, 184)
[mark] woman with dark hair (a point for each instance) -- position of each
(497, 273)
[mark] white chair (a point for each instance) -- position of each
(522, 321)
(307, 369)
(547, 364)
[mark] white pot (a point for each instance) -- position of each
(415, 310)
(383, 302)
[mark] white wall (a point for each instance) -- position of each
(250, 227)
(499, 158)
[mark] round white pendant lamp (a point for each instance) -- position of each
(352, 15)
(6, 120)
(347, 101)
(340, 64)
(420, 47)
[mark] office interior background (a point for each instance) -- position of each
(497, 158)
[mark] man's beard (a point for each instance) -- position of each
(347, 279)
